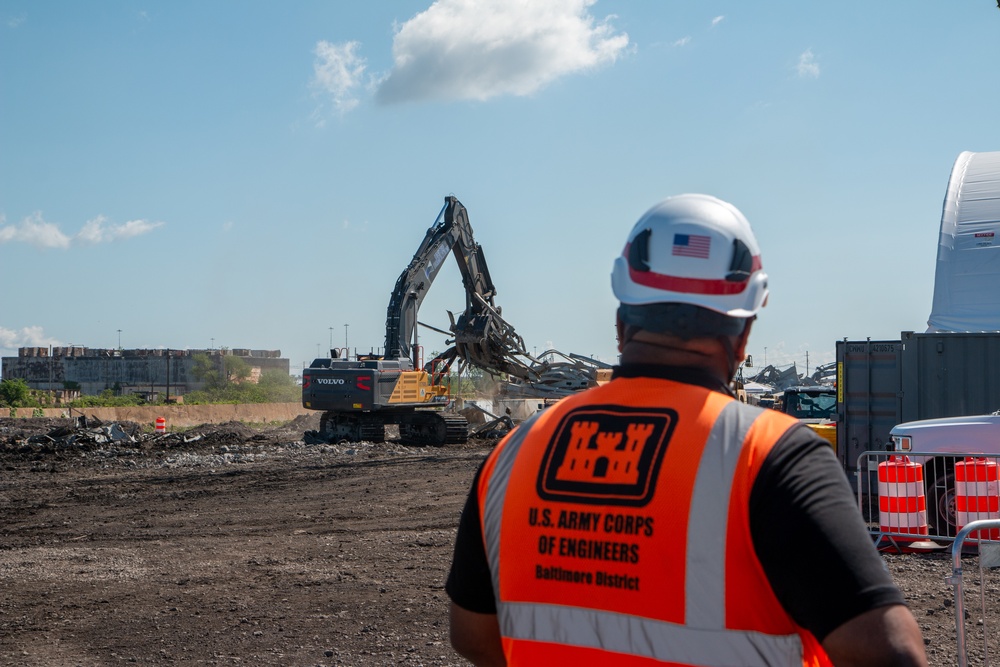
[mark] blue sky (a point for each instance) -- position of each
(257, 174)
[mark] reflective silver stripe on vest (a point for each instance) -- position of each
(493, 512)
(705, 583)
(703, 639)
(634, 635)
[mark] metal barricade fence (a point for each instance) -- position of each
(989, 558)
(914, 496)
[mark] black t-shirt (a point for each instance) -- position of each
(805, 525)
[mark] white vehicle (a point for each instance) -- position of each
(938, 443)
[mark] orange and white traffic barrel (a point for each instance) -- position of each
(901, 502)
(161, 425)
(977, 494)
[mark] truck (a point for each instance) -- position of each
(815, 406)
(359, 397)
(936, 444)
(811, 404)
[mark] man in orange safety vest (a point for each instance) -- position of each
(656, 519)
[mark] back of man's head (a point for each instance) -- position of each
(690, 269)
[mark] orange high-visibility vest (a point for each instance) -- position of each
(617, 532)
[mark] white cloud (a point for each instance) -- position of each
(98, 230)
(717, 20)
(478, 49)
(35, 231)
(11, 339)
(17, 21)
(808, 67)
(337, 72)
(683, 41)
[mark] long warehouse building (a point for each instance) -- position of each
(149, 372)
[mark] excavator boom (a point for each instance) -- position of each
(482, 338)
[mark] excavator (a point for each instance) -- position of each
(360, 397)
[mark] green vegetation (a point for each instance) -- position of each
(228, 383)
(107, 399)
(204, 370)
(15, 393)
(273, 387)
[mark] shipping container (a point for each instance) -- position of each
(921, 376)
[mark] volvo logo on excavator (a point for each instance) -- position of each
(330, 381)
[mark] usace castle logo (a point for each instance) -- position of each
(606, 454)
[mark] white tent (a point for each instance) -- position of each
(967, 278)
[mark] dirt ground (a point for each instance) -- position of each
(236, 545)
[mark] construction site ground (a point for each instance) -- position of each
(232, 545)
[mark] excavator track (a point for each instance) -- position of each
(457, 429)
(336, 427)
(422, 427)
(433, 429)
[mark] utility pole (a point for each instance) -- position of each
(119, 365)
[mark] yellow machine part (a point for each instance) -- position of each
(826, 431)
(416, 387)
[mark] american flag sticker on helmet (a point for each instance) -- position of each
(691, 245)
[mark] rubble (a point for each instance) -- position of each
(557, 374)
(47, 442)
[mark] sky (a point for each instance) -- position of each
(250, 174)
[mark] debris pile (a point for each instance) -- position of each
(62, 438)
(45, 444)
(558, 375)
(64, 435)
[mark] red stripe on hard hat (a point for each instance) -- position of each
(691, 285)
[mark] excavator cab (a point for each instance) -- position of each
(810, 402)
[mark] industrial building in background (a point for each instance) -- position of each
(68, 372)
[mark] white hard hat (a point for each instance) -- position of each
(696, 250)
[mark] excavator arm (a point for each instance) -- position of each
(413, 283)
(482, 337)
